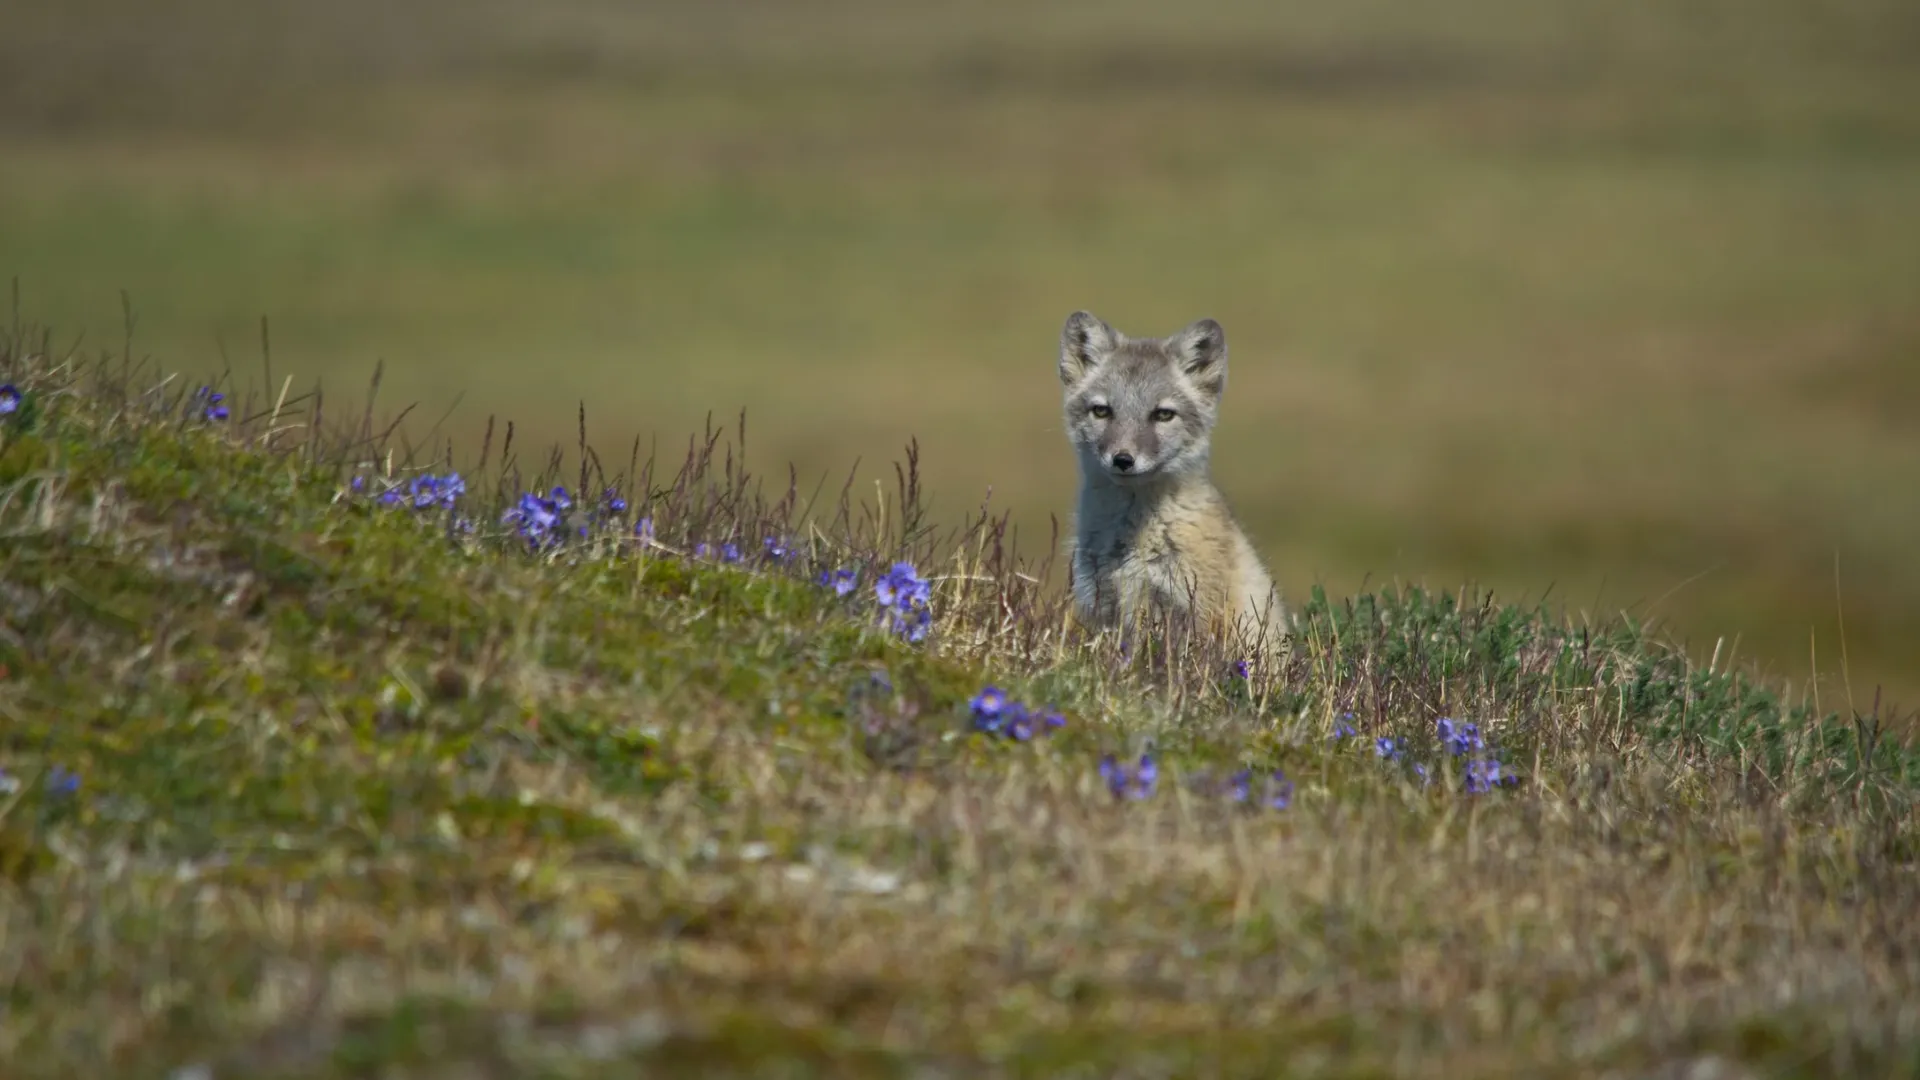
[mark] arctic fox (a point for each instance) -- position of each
(1152, 536)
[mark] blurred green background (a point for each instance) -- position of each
(1617, 299)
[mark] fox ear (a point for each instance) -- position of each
(1201, 352)
(1084, 343)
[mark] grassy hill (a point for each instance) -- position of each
(330, 757)
(1608, 302)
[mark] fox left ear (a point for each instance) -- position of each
(1201, 351)
(1085, 344)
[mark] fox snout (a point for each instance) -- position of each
(1124, 451)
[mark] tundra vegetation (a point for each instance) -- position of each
(332, 753)
(1609, 302)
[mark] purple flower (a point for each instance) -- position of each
(995, 713)
(1019, 722)
(427, 491)
(904, 596)
(1384, 747)
(1459, 739)
(210, 400)
(987, 706)
(61, 783)
(1240, 669)
(1343, 728)
(1137, 783)
(1484, 775)
(643, 530)
(902, 587)
(841, 581)
(1279, 791)
(615, 504)
(1276, 790)
(1240, 785)
(1278, 794)
(537, 519)
(9, 399)
(729, 552)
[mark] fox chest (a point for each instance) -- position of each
(1124, 571)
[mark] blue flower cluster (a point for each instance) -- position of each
(841, 581)
(422, 493)
(426, 492)
(1138, 782)
(61, 782)
(1142, 780)
(210, 402)
(1459, 739)
(1482, 775)
(10, 399)
(541, 520)
(996, 714)
(1455, 739)
(546, 520)
(905, 598)
(729, 552)
(1278, 794)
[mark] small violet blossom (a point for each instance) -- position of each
(904, 596)
(1137, 783)
(211, 404)
(538, 518)
(996, 714)
(841, 581)
(1459, 739)
(1279, 793)
(62, 783)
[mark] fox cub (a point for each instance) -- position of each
(1152, 535)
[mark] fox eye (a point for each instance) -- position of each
(1100, 412)
(1161, 416)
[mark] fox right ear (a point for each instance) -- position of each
(1084, 342)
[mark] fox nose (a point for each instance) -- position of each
(1123, 462)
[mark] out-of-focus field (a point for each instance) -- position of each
(1618, 299)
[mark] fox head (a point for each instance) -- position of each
(1141, 409)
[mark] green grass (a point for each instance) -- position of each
(1612, 304)
(363, 791)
